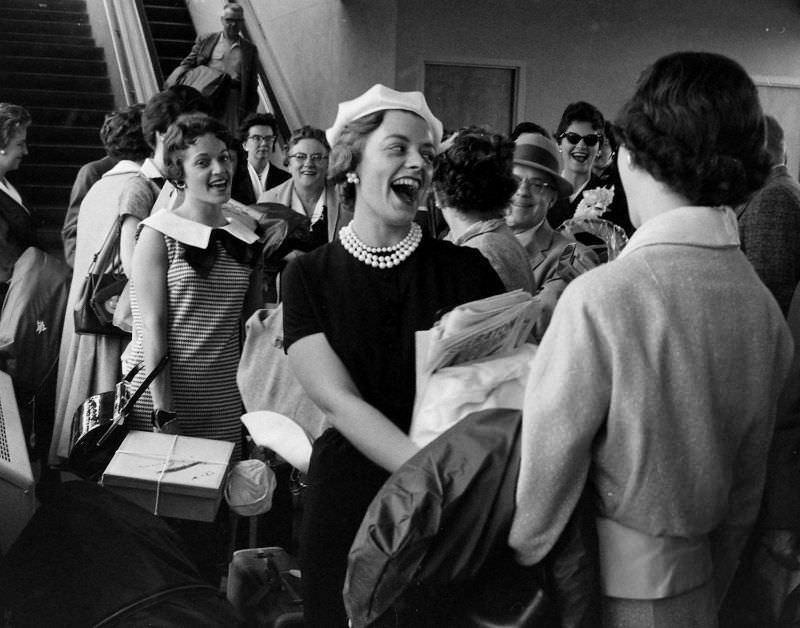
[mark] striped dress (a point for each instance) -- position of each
(203, 334)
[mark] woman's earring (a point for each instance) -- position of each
(181, 185)
(2, 152)
(352, 177)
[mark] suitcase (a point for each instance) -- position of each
(264, 587)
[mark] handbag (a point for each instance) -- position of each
(204, 79)
(101, 290)
(98, 426)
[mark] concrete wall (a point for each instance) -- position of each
(592, 49)
(328, 50)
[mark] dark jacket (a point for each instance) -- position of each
(434, 538)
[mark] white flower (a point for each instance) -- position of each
(40, 327)
(594, 203)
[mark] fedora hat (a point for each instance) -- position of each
(380, 98)
(537, 151)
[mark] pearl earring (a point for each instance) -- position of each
(2, 152)
(352, 177)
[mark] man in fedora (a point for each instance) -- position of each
(228, 52)
(555, 258)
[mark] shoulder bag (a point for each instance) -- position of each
(101, 290)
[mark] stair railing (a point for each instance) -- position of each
(134, 51)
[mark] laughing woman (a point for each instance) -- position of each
(192, 272)
(351, 310)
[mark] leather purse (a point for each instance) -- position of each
(102, 289)
(98, 425)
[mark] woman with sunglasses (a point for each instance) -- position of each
(579, 137)
(678, 354)
(351, 308)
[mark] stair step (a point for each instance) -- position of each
(51, 174)
(176, 14)
(44, 98)
(43, 134)
(70, 154)
(54, 65)
(65, 27)
(33, 13)
(56, 82)
(57, 5)
(53, 49)
(57, 38)
(163, 3)
(178, 48)
(67, 116)
(166, 30)
(51, 195)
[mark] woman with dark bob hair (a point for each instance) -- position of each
(473, 185)
(351, 308)
(678, 354)
(192, 269)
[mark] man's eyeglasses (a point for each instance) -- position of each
(575, 138)
(269, 139)
(314, 157)
(537, 186)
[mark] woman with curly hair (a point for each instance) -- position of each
(473, 185)
(657, 380)
(90, 364)
(351, 308)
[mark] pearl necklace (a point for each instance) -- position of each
(380, 256)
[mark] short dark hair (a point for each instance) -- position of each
(12, 118)
(305, 133)
(775, 145)
(528, 127)
(257, 119)
(474, 173)
(346, 153)
(122, 135)
(695, 124)
(164, 108)
(184, 132)
(580, 111)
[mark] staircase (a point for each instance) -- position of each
(51, 66)
(171, 31)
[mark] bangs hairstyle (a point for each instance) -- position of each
(474, 174)
(347, 151)
(580, 111)
(184, 132)
(122, 135)
(12, 119)
(695, 124)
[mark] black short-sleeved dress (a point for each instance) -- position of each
(369, 317)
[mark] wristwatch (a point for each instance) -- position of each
(160, 417)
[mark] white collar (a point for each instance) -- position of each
(712, 227)
(150, 170)
(194, 233)
(123, 166)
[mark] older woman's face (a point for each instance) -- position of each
(578, 158)
(308, 163)
(208, 170)
(535, 194)
(396, 168)
(17, 147)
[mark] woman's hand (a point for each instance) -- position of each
(327, 382)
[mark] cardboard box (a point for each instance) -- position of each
(172, 476)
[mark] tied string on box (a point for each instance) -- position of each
(168, 465)
(202, 260)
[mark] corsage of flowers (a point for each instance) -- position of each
(594, 202)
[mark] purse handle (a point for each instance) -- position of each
(119, 417)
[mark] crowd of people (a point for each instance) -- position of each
(660, 376)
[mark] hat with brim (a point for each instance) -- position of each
(540, 152)
(382, 98)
